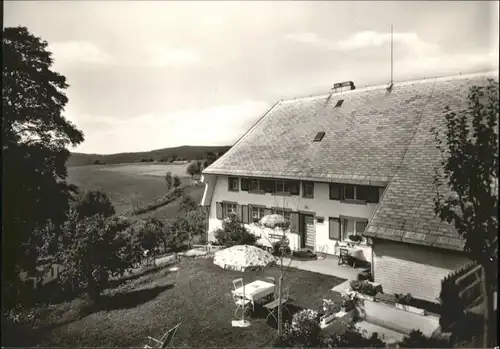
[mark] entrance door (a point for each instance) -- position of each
(309, 231)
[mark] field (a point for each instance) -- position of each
(198, 295)
(133, 184)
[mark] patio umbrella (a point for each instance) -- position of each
(273, 221)
(243, 258)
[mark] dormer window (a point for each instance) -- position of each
(319, 137)
(339, 103)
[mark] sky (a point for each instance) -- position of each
(148, 75)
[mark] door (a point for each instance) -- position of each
(309, 231)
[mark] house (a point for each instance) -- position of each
(351, 162)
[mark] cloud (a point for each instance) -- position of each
(217, 125)
(161, 56)
(78, 52)
(363, 40)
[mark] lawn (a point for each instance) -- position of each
(198, 295)
(127, 184)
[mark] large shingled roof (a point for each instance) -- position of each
(376, 137)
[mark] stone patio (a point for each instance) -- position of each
(327, 266)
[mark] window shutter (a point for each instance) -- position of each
(372, 195)
(294, 222)
(239, 212)
(244, 216)
(334, 229)
(342, 192)
(250, 213)
(244, 184)
(218, 210)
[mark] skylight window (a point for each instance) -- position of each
(339, 103)
(319, 137)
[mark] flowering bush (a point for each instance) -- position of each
(304, 331)
(330, 307)
(350, 300)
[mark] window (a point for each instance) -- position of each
(319, 137)
(257, 213)
(339, 103)
(308, 190)
(234, 184)
(244, 184)
(353, 226)
(349, 192)
(356, 192)
(286, 186)
(372, 195)
(229, 208)
(255, 185)
(267, 185)
(335, 191)
(294, 187)
(280, 186)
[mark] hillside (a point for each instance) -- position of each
(180, 153)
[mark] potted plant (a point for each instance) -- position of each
(330, 309)
(352, 304)
(355, 238)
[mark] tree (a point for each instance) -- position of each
(196, 223)
(193, 169)
(233, 232)
(93, 202)
(150, 234)
(467, 184)
(169, 180)
(177, 182)
(93, 250)
(187, 204)
(35, 136)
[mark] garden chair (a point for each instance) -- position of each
(165, 340)
(275, 304)
(272, 280)
(323, 249)
(344, 256)
(243, 304)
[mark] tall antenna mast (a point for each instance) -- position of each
(392, 55)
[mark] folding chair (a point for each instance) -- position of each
(272, 280)
(243, 304)
(344, 256)
(275, 304)
(165, 340)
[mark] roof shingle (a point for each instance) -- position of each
(376, 137)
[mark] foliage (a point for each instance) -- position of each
(281, 248)
(35, 135)
(93, 202)
(93, 250)
(470, 162)
(169, 180)
(404, 299)
(187, 204)
(416, 339)
(183, 229)
(233, 232)
(150, 234)
(352, 337)
(193, 168)
(304, 331)
(363, 287)
(330, 307)
(355, 238)
(177, 181)
(351, 300)
(467, 183)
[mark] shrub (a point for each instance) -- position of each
(356, 285)
(233, 232)
(352, 337)
(355, 238)
(363, 287)
(93, 202)
(280, 248)
(304, 331)
(406, 299)
(416, 339)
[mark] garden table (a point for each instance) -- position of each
(255, 291)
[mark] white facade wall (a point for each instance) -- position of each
(217, 191)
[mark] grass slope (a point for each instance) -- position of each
(187, 152)
(141, 184)
(198, 295)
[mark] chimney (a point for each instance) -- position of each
(343, 86)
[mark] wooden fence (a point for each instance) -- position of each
(460, 290)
